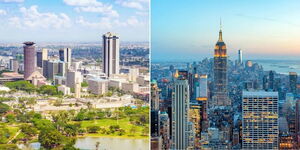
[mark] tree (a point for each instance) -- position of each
(93, 129)
(50, 139)
(84, 84)
(71, 130)
(145, 131)
(21, 85)
(97, 145)
(10, 118)
(132, 130)
(29, 131)
(80, 116)
(48, 89)
(4, 108)
(4, 135)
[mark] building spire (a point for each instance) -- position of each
(220, 32)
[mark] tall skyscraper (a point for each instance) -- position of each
(180, 116)
(110, 54)
(260, 120)
(41, 56)
(29, 59)
(293, 82)
(154, 96)
(240, 59)
(220, 94)
(271, 80)
(66, 55)
(298, 118)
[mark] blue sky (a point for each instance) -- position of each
(73, 20)
(188, 30)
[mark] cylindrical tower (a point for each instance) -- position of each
(29, 59)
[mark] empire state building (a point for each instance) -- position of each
(220, 93)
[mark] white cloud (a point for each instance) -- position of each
(133, 21)
(142, 13)
(132, 4)
(83, 2)
(135, 4)
(2, 12)
(104, 23)
(108, 23)
(92, 6)
(12, 1)
(32, 18)
(107, 11)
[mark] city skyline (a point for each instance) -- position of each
(270, 31)
(73, 20)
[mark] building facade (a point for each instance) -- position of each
(29, 59)
(180, 116)
(110, 54)
(220, 93)
(260, 127)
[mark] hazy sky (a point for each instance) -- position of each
(188, 29)
(73, 20)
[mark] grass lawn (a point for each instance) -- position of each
(105, 123)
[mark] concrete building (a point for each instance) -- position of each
(180, 116)
(260, 127)
(154, 97)
(73, 77)
(293, 77)
(52, 68)
(65, 55)
(64, 89)
(77, 88)
(97, 86)
(110, 54)
(133, 74)
(130, 87)
(29, 59)
(41, 56)
(13, 65)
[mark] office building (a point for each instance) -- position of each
(220, 94)
(240, 57)
(293, 82)
(65, 55)
(29, 59)
(41, 56)
(154, 96)
(13, 65)
(73, 77)
(180, 116)
(97, 86)
(110, 54)
(260, 125)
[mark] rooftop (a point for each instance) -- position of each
(259, 93)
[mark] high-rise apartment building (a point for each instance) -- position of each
(29, 59)
(110, 54)
(260, 127)
(180, 116)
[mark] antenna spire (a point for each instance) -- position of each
(220, 23)
(220, 32)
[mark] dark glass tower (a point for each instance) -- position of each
(220, 94)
